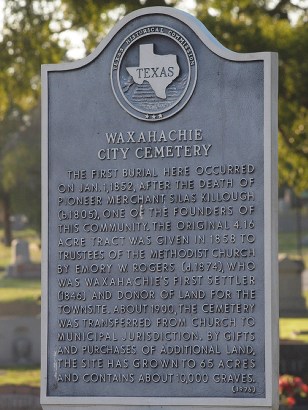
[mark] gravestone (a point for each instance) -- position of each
(20, 252)
(291, 300)
(19, 340)
(21, 265)
(160, 223)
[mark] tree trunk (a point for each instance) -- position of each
(6, 219)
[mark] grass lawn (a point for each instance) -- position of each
(17, 301)
(288, 244)
(29, 376)
(19, 297)
(13, 290)
(295, 329)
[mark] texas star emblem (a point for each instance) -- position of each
(154, 72)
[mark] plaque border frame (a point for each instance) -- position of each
(271, 400)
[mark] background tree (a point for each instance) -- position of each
(21, 170)
(247, 26)
(251, 26)
(242, 26)
(27, 40)
(31, 35)
(96, 17)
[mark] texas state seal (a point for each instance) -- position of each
(154, 72)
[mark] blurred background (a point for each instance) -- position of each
(35, 32)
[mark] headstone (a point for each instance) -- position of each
(20, 252)
(160, 223)
(19, 340)
(291, 300)
(21, 265)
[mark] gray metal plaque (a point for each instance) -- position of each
(159, 228)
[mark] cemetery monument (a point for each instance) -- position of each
(160, 285)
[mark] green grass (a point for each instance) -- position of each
(5, 257)
(19, 297)
(13, 290)
(29, 376)
(295, 329)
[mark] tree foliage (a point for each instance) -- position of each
(252, 26)
(27, 40)
(242, 26)
(97, 17)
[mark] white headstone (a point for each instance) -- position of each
(291, 300)
(20, 252)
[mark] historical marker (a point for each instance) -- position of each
(159, 225)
